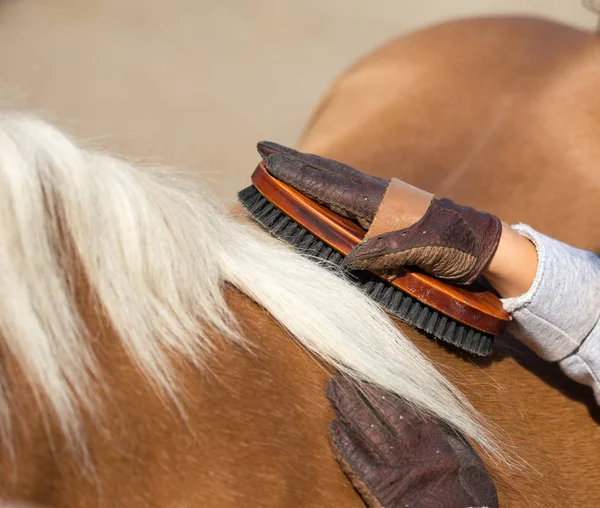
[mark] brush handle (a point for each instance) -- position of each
(471, 305)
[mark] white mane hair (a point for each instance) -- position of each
(156, 251)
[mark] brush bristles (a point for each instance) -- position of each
(396, 302)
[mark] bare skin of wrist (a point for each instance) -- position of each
(512, 270)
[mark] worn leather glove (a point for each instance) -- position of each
(396, 457)
(406, 226)
(343, 189)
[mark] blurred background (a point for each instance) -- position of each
(196, 83)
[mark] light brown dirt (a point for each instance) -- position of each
(195, 84)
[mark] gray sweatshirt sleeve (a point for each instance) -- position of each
(559, 317)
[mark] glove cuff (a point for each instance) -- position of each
(402, 206)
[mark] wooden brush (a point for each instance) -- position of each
(467, 317)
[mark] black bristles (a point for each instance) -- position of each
(280, 227)
(325, 252)
(396, 301)
(460, 334)
(440, 327)
(430, 326)
(450, 330)
(421, 321)
(404, 309)
(413, 312)
(387, 297)
(392, 299)
(378, 290)
(289, 230)
(336, 258)
(369, 285)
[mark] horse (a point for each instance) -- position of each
(140, 322)
(156, 351)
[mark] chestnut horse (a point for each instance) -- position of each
(147, 355)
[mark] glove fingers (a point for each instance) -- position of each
(356, 450)
(396, 412)
(345, 190)
(395, 456)
(355, 409)
(452, 242)
(401, 426)
(354, 457)
(266, 148)
(384, 254)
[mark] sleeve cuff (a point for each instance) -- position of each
(563, 304)
(513, 304)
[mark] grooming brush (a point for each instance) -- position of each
(466, 317)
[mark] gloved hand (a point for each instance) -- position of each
(449, 241)
(396, 457)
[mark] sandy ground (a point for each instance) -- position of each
(195, 83)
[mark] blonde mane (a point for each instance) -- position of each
(156, 250)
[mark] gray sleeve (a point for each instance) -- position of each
(559, 317)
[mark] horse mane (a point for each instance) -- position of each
(156, 250)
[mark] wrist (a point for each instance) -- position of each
(513, 267)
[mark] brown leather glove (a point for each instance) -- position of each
(452, 242)
(396, 457)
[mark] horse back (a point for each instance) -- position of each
(501, 114)
(250, 430)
